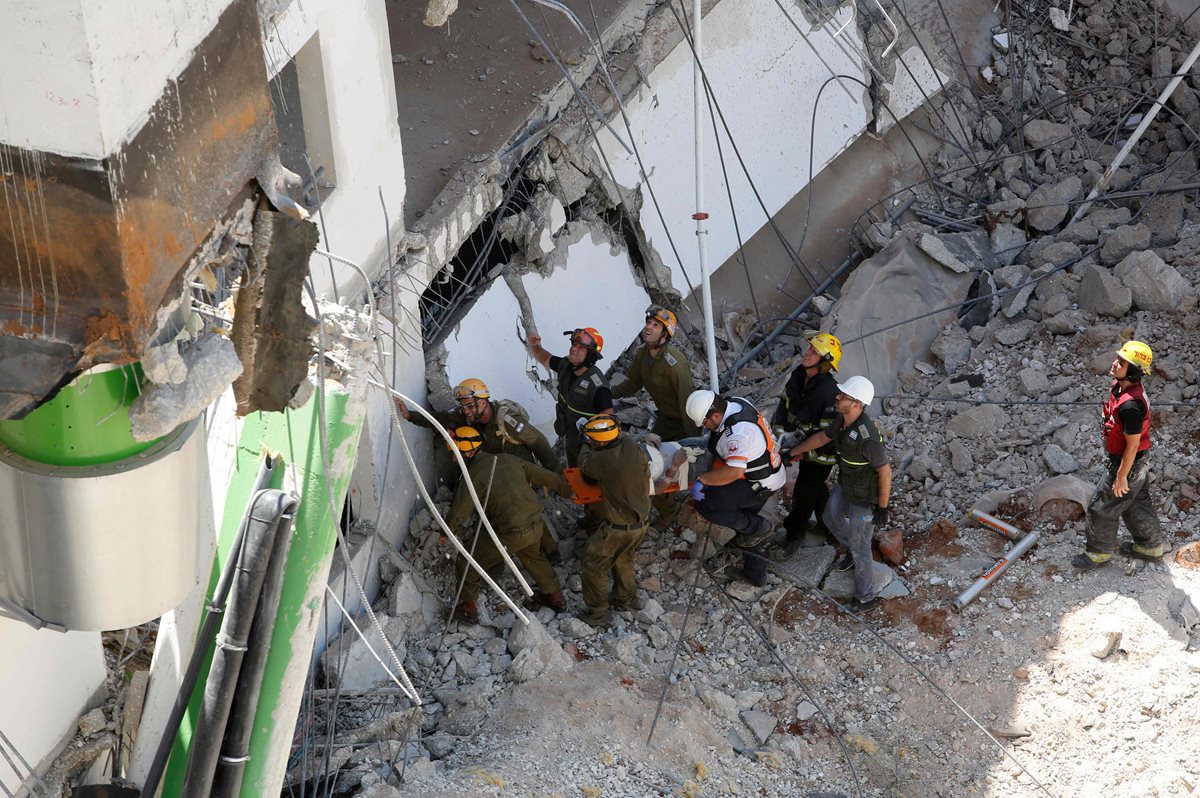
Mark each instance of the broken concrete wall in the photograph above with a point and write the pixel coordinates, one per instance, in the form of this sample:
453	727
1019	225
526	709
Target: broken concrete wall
595	287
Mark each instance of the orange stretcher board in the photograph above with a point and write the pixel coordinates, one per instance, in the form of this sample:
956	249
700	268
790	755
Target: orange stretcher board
590	494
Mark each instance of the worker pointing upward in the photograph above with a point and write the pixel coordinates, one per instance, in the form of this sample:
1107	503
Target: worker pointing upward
582	390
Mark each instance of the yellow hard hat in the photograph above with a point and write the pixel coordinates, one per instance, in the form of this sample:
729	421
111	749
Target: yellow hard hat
471	388
1137	354
602	428
828	347
664	317
466	439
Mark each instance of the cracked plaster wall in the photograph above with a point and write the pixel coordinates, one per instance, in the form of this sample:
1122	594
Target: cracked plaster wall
597	288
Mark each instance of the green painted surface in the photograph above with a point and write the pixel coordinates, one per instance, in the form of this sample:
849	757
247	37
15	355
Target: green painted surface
294	435
86	424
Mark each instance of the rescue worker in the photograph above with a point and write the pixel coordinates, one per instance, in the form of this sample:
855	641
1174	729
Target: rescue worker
504	424
617	464
504	484
582	391
859	500
1125	490
746	469
806	407
664	372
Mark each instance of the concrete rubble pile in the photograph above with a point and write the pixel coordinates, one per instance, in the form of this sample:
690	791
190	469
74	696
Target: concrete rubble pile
996	410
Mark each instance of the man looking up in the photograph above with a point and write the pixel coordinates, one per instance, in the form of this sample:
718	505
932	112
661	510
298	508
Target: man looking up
1125	490
582	391
664	372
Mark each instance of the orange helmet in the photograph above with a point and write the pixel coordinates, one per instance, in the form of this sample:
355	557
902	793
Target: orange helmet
664	317
466	439
589	339
602	428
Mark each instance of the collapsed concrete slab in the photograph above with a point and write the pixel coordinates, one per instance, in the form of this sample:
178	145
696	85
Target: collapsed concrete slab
897	284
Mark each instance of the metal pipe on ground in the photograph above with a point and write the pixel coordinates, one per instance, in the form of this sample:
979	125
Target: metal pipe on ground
216	608
235	750
996	525
263	521
1015	553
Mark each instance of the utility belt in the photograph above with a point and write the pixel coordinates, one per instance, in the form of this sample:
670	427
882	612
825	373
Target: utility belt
627	527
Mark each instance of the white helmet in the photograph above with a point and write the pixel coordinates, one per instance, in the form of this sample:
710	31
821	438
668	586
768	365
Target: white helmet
859	388
698	405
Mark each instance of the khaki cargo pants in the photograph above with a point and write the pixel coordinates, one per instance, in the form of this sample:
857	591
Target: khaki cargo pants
610	549
522	545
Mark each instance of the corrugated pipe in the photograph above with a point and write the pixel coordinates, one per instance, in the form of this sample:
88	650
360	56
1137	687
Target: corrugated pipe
265	518
216	609
235	750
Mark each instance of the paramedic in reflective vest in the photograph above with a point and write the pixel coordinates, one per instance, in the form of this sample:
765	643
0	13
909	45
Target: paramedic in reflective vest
504	425
1125	490
664	372
859	500
582	391
747	468
807	407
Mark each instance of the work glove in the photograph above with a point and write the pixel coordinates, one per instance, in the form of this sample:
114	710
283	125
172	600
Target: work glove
881	516
579	422
697	491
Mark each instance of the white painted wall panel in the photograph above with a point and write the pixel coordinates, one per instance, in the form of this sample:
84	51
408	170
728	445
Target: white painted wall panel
766	77
46	679
596	289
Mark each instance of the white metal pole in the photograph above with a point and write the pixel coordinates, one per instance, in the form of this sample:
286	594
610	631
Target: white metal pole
1167	91
700	216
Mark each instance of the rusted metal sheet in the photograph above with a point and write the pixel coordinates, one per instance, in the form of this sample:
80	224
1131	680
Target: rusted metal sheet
89	250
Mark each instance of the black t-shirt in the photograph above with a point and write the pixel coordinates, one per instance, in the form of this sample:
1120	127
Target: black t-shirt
1131	415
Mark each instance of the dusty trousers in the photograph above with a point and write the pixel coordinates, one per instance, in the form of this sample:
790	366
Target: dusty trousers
1105	510
809	497
522	545
854	527
609	550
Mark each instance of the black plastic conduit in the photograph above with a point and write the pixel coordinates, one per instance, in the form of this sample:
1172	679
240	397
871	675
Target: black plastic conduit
207	629
266	514
235	750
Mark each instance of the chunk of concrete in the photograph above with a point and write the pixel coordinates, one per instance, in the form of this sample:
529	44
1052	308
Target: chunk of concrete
1068	322
1122	241
1058	460
808	566
349	661
1049	203
1007	242
1041	133
1103	293
722	704
953	347
1153	283
535	653
210	365
412	602
979	422
897	284
840	584
760	724
1033	382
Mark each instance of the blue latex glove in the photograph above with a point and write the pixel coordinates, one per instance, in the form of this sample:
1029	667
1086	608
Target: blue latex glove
697	491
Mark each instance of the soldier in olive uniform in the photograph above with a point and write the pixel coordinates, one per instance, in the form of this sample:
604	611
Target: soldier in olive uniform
582	390
664	372
618	466
504	424
515	512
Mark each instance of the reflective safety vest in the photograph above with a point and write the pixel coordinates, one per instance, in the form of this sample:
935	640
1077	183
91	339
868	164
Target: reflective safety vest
859	481
1114	432
766	464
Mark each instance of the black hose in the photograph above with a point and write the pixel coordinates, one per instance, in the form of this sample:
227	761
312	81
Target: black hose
235	750
269	506
209	628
